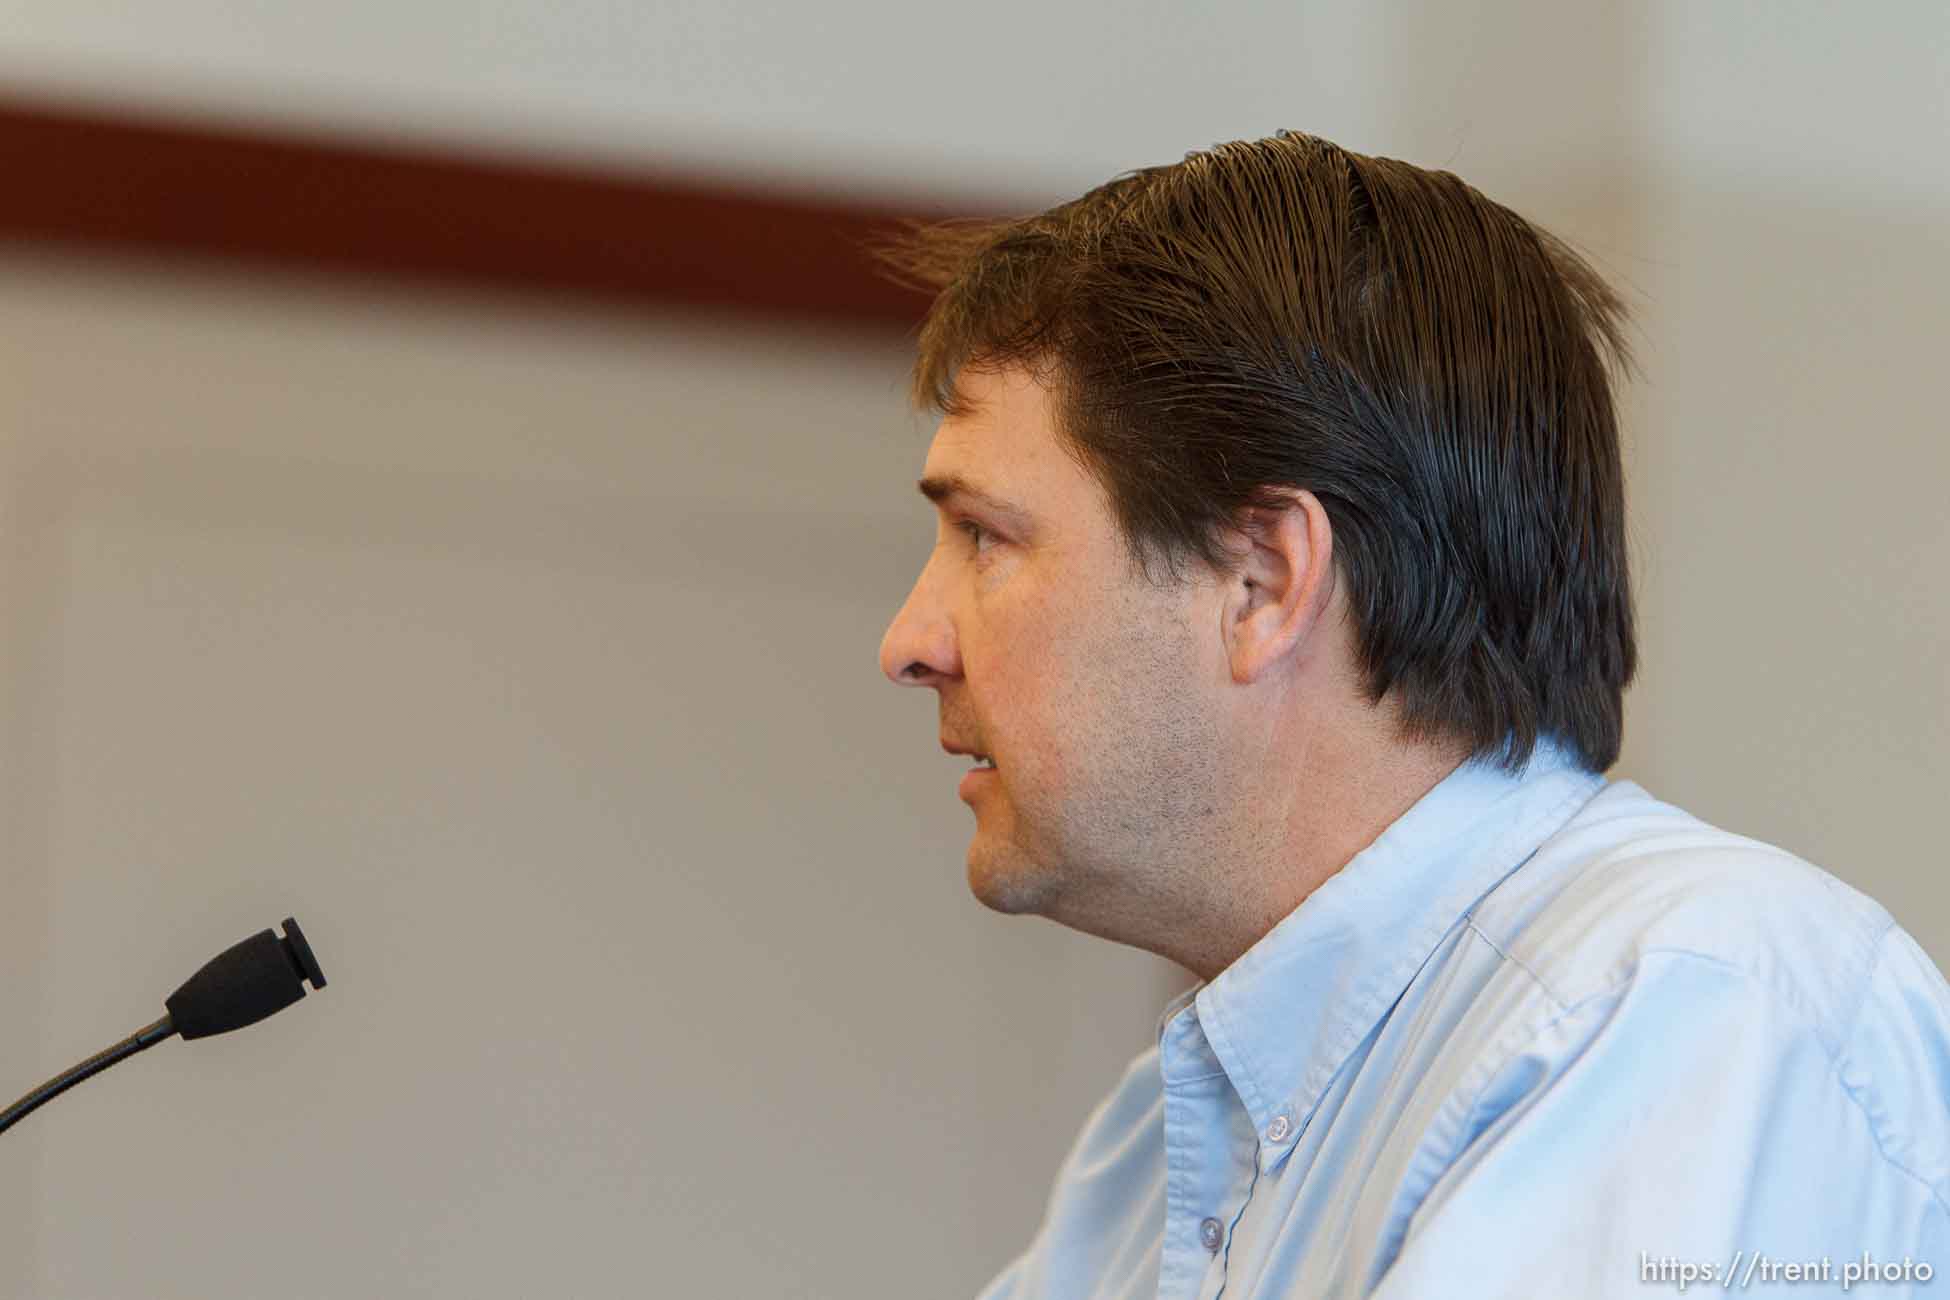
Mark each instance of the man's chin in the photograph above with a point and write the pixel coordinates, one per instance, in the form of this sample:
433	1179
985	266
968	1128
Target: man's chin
1012	886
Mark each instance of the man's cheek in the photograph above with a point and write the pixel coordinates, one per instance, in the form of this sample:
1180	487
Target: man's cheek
1068	739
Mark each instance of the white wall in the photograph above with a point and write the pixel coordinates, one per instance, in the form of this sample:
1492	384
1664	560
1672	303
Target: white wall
527	656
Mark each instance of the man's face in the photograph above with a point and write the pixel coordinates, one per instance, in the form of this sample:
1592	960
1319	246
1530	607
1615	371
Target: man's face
1094	691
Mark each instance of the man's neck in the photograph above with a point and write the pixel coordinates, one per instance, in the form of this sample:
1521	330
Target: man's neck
1336	798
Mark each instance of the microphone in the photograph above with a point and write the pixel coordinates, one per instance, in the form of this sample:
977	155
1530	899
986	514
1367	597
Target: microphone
239	986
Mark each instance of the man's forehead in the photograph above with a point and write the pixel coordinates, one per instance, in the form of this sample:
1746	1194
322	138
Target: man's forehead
984	393
997	417
1000	449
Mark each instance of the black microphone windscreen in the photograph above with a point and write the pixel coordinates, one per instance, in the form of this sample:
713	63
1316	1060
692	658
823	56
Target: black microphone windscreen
239	986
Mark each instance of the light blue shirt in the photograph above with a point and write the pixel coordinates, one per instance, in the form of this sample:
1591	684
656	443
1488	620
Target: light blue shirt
1546	1036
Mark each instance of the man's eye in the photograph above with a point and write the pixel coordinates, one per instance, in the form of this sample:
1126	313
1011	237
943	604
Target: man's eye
974	530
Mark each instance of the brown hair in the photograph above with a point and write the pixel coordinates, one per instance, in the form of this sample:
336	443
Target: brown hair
1284	313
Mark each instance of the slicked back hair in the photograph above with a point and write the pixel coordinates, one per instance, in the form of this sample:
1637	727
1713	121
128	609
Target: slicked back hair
1282	313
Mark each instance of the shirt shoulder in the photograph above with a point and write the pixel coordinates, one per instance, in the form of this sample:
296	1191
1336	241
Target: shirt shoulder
1630	876
1632	885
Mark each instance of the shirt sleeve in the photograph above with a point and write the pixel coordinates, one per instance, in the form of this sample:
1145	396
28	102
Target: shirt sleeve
1006	1283
1689	1125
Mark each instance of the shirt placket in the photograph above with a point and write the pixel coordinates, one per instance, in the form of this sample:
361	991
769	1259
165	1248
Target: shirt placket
1209	1166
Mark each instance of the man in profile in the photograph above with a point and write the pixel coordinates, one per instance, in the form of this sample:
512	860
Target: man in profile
1280	596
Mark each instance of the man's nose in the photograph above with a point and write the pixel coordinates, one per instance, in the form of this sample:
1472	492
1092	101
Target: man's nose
919	648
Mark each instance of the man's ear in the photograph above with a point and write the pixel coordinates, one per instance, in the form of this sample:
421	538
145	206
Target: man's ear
1278	598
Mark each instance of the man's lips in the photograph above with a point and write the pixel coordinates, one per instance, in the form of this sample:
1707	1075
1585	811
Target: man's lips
975	779
976	776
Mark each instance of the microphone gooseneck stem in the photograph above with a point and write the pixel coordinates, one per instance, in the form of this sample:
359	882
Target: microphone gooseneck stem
147	1036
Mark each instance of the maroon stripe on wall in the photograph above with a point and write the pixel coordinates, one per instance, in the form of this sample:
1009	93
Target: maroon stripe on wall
105	182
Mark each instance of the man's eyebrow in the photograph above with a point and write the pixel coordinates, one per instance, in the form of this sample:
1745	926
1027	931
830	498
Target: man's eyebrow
940	488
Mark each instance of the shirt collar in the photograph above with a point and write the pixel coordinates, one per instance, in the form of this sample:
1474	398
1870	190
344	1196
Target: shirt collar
1284	1016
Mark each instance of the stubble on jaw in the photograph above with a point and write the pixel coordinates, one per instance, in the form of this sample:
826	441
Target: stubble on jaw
1139	841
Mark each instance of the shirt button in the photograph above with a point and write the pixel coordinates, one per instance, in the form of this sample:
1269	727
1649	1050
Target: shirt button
1278	1129
1211	1232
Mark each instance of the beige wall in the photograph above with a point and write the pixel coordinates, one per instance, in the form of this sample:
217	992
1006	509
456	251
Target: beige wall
1792	192
528	657
530	660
